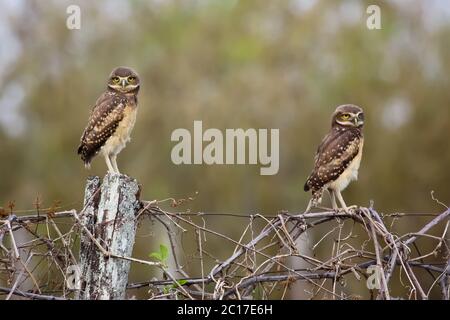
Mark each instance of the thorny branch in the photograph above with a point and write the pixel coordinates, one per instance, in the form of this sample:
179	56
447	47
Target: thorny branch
269	256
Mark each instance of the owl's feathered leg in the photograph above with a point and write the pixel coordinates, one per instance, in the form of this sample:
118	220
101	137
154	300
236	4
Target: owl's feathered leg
341	200
108	164
114	163
333	199
310	204
344	206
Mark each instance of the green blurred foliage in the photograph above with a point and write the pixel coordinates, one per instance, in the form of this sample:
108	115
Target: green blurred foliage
231	64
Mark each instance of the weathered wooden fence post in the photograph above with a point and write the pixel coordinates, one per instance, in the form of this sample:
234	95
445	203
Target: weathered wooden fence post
109	215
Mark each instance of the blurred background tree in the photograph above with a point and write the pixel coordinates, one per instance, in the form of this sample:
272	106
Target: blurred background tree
231	64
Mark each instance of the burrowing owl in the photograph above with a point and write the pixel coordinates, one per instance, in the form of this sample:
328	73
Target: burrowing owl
338	157
112	119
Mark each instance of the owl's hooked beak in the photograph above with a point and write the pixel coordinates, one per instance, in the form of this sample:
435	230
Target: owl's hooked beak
124	83
358	122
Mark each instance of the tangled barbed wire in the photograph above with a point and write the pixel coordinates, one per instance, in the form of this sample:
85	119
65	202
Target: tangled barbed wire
271	254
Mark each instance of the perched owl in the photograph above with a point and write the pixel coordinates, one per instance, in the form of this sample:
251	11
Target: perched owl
112	119
338	157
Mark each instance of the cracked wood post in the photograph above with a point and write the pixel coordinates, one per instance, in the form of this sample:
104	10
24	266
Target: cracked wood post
109	215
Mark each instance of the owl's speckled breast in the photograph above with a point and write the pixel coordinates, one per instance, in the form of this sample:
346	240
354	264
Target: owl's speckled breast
123	132
350	174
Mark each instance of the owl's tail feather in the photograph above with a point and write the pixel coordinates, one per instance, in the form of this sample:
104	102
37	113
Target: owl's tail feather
306	186
86	156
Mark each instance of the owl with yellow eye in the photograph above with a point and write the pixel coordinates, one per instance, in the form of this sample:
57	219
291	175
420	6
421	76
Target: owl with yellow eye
112	119
338	157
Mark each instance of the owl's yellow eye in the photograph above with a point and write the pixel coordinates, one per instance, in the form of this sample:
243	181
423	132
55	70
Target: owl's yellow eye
345	116
115	79
131	79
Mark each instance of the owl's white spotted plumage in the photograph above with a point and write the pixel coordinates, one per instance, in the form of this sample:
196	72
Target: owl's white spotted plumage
112	119
338	157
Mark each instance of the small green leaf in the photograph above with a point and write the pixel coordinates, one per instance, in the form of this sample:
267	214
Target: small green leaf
164	252
182	282
156	256
178	284
162	255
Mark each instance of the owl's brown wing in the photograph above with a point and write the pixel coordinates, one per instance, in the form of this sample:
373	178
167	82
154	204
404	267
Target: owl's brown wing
333	156
103	121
